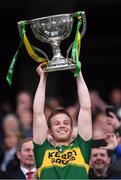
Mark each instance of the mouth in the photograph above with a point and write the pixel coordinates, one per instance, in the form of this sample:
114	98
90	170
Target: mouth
99	163
30	159
63	131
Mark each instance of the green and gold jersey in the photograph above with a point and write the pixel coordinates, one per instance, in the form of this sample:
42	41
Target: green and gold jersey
63	162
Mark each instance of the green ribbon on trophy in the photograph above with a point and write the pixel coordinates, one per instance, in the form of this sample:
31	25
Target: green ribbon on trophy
9	76
76	47
31	51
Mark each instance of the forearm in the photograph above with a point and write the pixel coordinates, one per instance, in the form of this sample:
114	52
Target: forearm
84	117
39	100
83	93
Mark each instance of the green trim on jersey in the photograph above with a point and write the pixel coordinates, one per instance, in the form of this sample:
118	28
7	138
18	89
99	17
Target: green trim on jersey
63	162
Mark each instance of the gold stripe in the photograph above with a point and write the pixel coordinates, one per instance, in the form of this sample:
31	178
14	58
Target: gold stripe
79	43
75	152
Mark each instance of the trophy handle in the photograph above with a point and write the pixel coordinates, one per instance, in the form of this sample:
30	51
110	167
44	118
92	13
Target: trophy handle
68	50
19	28
34	47
82	14
84	23
41	51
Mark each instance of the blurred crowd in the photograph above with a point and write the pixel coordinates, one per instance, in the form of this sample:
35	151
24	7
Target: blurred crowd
16	148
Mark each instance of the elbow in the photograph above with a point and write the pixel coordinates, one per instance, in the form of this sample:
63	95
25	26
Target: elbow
37	112
86	104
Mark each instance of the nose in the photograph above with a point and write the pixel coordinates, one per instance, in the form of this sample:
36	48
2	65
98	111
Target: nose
31	153
61	125
98	156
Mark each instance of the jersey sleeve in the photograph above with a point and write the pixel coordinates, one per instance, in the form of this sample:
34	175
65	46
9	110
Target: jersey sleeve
39	151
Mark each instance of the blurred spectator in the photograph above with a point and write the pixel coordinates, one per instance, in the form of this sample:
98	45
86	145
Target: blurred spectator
115	97
98	133
26	157
97	104
111	140
5	108
51	103
112	144
115	100
103	123
100	165
118	135
26	123
8	150
4	175
10	122
47	111
113	121
73	111
23	102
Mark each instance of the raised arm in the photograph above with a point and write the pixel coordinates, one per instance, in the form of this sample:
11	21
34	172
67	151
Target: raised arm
39	121
84	117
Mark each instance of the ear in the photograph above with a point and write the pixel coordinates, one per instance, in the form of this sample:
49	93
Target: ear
74	133
49	132
90	163
109	160
18	154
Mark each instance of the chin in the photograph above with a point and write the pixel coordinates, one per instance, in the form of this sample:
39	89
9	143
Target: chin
100	167
63	139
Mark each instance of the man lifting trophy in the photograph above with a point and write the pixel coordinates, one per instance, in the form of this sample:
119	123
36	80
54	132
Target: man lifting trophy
66	154
53	30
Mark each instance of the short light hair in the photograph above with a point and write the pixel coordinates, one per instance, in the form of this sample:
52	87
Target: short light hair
58	110
20	144
6	117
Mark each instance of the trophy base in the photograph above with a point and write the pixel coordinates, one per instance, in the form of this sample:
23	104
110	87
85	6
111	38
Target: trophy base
61	67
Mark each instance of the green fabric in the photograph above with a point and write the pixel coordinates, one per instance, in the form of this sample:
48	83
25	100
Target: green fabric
75	53
9	76
69	170
85	148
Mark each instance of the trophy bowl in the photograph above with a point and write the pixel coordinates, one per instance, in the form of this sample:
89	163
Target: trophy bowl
53	30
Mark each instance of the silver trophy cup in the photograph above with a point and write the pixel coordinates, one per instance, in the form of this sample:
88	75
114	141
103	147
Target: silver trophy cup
53	30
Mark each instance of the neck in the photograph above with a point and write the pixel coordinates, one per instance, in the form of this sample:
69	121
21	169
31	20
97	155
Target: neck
101	172
61	143
28	167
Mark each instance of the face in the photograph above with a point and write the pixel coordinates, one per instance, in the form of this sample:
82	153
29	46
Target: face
102	124
26	118
61	127
116	96
99	159
11	141
24	100
10	123
26	155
